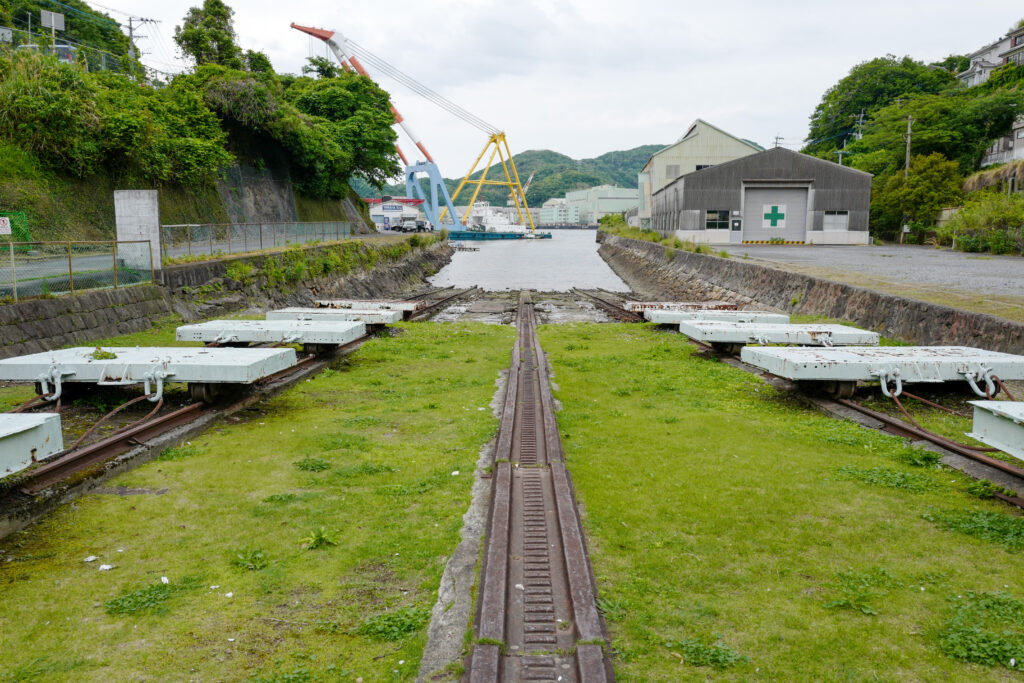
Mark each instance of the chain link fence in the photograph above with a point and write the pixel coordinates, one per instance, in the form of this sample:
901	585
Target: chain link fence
33	269
184	241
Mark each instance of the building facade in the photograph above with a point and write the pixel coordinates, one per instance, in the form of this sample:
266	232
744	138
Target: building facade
556	211
771	196
701	146
597	202
396	210
1007	50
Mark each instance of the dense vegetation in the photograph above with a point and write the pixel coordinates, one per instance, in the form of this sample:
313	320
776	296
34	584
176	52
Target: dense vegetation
557	174
63	121
866	114
82	24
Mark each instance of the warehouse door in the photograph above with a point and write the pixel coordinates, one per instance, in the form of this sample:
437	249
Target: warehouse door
775	212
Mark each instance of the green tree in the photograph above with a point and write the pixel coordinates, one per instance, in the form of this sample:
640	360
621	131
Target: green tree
959	125
933	184
868	87
322	68
207	35
258	62
954	64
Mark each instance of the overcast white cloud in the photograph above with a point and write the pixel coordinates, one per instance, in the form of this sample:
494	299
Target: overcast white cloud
584	77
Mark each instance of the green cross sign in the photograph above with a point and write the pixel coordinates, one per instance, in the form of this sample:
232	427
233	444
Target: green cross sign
775	216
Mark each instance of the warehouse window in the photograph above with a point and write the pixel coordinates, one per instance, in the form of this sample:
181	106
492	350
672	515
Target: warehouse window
671	171
716	220
702	166
837	221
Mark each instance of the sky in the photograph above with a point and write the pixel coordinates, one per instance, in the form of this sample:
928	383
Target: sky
585	77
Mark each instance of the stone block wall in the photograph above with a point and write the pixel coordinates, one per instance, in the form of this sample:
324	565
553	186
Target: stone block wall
645	267
76	320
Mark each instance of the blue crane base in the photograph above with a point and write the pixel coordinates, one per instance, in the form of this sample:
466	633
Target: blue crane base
437	191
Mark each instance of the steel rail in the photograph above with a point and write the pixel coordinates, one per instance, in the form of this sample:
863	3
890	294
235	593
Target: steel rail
610	308
432	308
537	616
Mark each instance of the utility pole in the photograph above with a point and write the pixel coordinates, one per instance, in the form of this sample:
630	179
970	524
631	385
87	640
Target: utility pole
132	21
778	139
841	152
906	166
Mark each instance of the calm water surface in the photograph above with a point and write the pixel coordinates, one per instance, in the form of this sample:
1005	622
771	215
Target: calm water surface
569	259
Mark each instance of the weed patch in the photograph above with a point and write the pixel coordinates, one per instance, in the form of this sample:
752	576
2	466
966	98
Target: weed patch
318	537
309	464
704	653
996	527
344	441
986	628
887	477
179	452
856	589
363	469
151	598
252	559
394	625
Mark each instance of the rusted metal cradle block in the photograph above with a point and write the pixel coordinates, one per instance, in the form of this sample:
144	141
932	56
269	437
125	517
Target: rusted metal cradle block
667	317
381	316
724	332
26	438
1000	424
891	366
641	306
332	332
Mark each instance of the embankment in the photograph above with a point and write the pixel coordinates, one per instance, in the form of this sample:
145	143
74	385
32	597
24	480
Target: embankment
197	290
656	271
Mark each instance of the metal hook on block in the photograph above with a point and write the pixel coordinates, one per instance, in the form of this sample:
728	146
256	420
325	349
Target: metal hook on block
985	374
157	376
884	376
56	375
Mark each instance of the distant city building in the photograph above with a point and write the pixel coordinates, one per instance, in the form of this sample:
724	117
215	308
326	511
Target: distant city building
701	146
556	211
596	202
776	195
386	215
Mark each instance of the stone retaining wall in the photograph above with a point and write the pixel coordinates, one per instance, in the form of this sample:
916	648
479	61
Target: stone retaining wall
41	324
645	267
193	291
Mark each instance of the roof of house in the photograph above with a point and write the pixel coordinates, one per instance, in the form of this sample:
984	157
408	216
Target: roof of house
805	158
693	126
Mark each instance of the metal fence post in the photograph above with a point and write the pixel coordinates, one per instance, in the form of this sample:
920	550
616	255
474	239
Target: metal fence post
188	236
115	263
152	268
71	271
230	251
261	237
245	238
14	275
209	231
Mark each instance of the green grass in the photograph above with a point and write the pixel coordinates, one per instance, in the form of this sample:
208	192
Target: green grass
403	412
737	535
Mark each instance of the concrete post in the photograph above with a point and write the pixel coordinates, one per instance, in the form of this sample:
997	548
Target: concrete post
137	213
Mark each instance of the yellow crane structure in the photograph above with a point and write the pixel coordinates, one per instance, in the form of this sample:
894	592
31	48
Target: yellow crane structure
349	53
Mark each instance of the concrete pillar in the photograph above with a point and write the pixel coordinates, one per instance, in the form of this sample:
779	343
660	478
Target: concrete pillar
137	213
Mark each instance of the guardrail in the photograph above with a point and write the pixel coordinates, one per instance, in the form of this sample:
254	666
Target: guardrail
31	269
212	239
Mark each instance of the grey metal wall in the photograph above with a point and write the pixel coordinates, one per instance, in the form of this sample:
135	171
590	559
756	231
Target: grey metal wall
833	188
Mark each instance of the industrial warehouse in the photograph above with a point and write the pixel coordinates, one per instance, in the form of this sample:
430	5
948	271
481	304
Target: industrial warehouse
775	196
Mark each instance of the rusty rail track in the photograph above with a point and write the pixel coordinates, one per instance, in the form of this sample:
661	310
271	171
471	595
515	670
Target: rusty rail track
433	307
65	465
612	309
537	616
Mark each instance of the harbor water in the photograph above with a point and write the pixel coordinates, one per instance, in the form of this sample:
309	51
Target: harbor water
569	259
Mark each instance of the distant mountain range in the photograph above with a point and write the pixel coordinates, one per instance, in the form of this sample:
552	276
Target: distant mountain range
556	174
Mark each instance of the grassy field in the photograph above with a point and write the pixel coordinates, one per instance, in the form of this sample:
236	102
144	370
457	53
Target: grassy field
736	535
303	540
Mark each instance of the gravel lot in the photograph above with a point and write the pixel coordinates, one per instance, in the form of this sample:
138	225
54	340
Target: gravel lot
921	267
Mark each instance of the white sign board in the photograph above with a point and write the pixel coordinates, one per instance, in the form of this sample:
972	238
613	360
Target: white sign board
5	225
52	20
6	35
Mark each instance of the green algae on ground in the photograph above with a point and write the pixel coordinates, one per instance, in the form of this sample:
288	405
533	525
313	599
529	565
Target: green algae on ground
715	516
234	511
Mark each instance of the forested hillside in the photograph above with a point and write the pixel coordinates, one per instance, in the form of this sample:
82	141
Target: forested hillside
556	174
866	115
65	129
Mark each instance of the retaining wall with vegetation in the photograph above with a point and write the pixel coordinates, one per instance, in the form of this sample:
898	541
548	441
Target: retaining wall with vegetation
295	277
656	271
